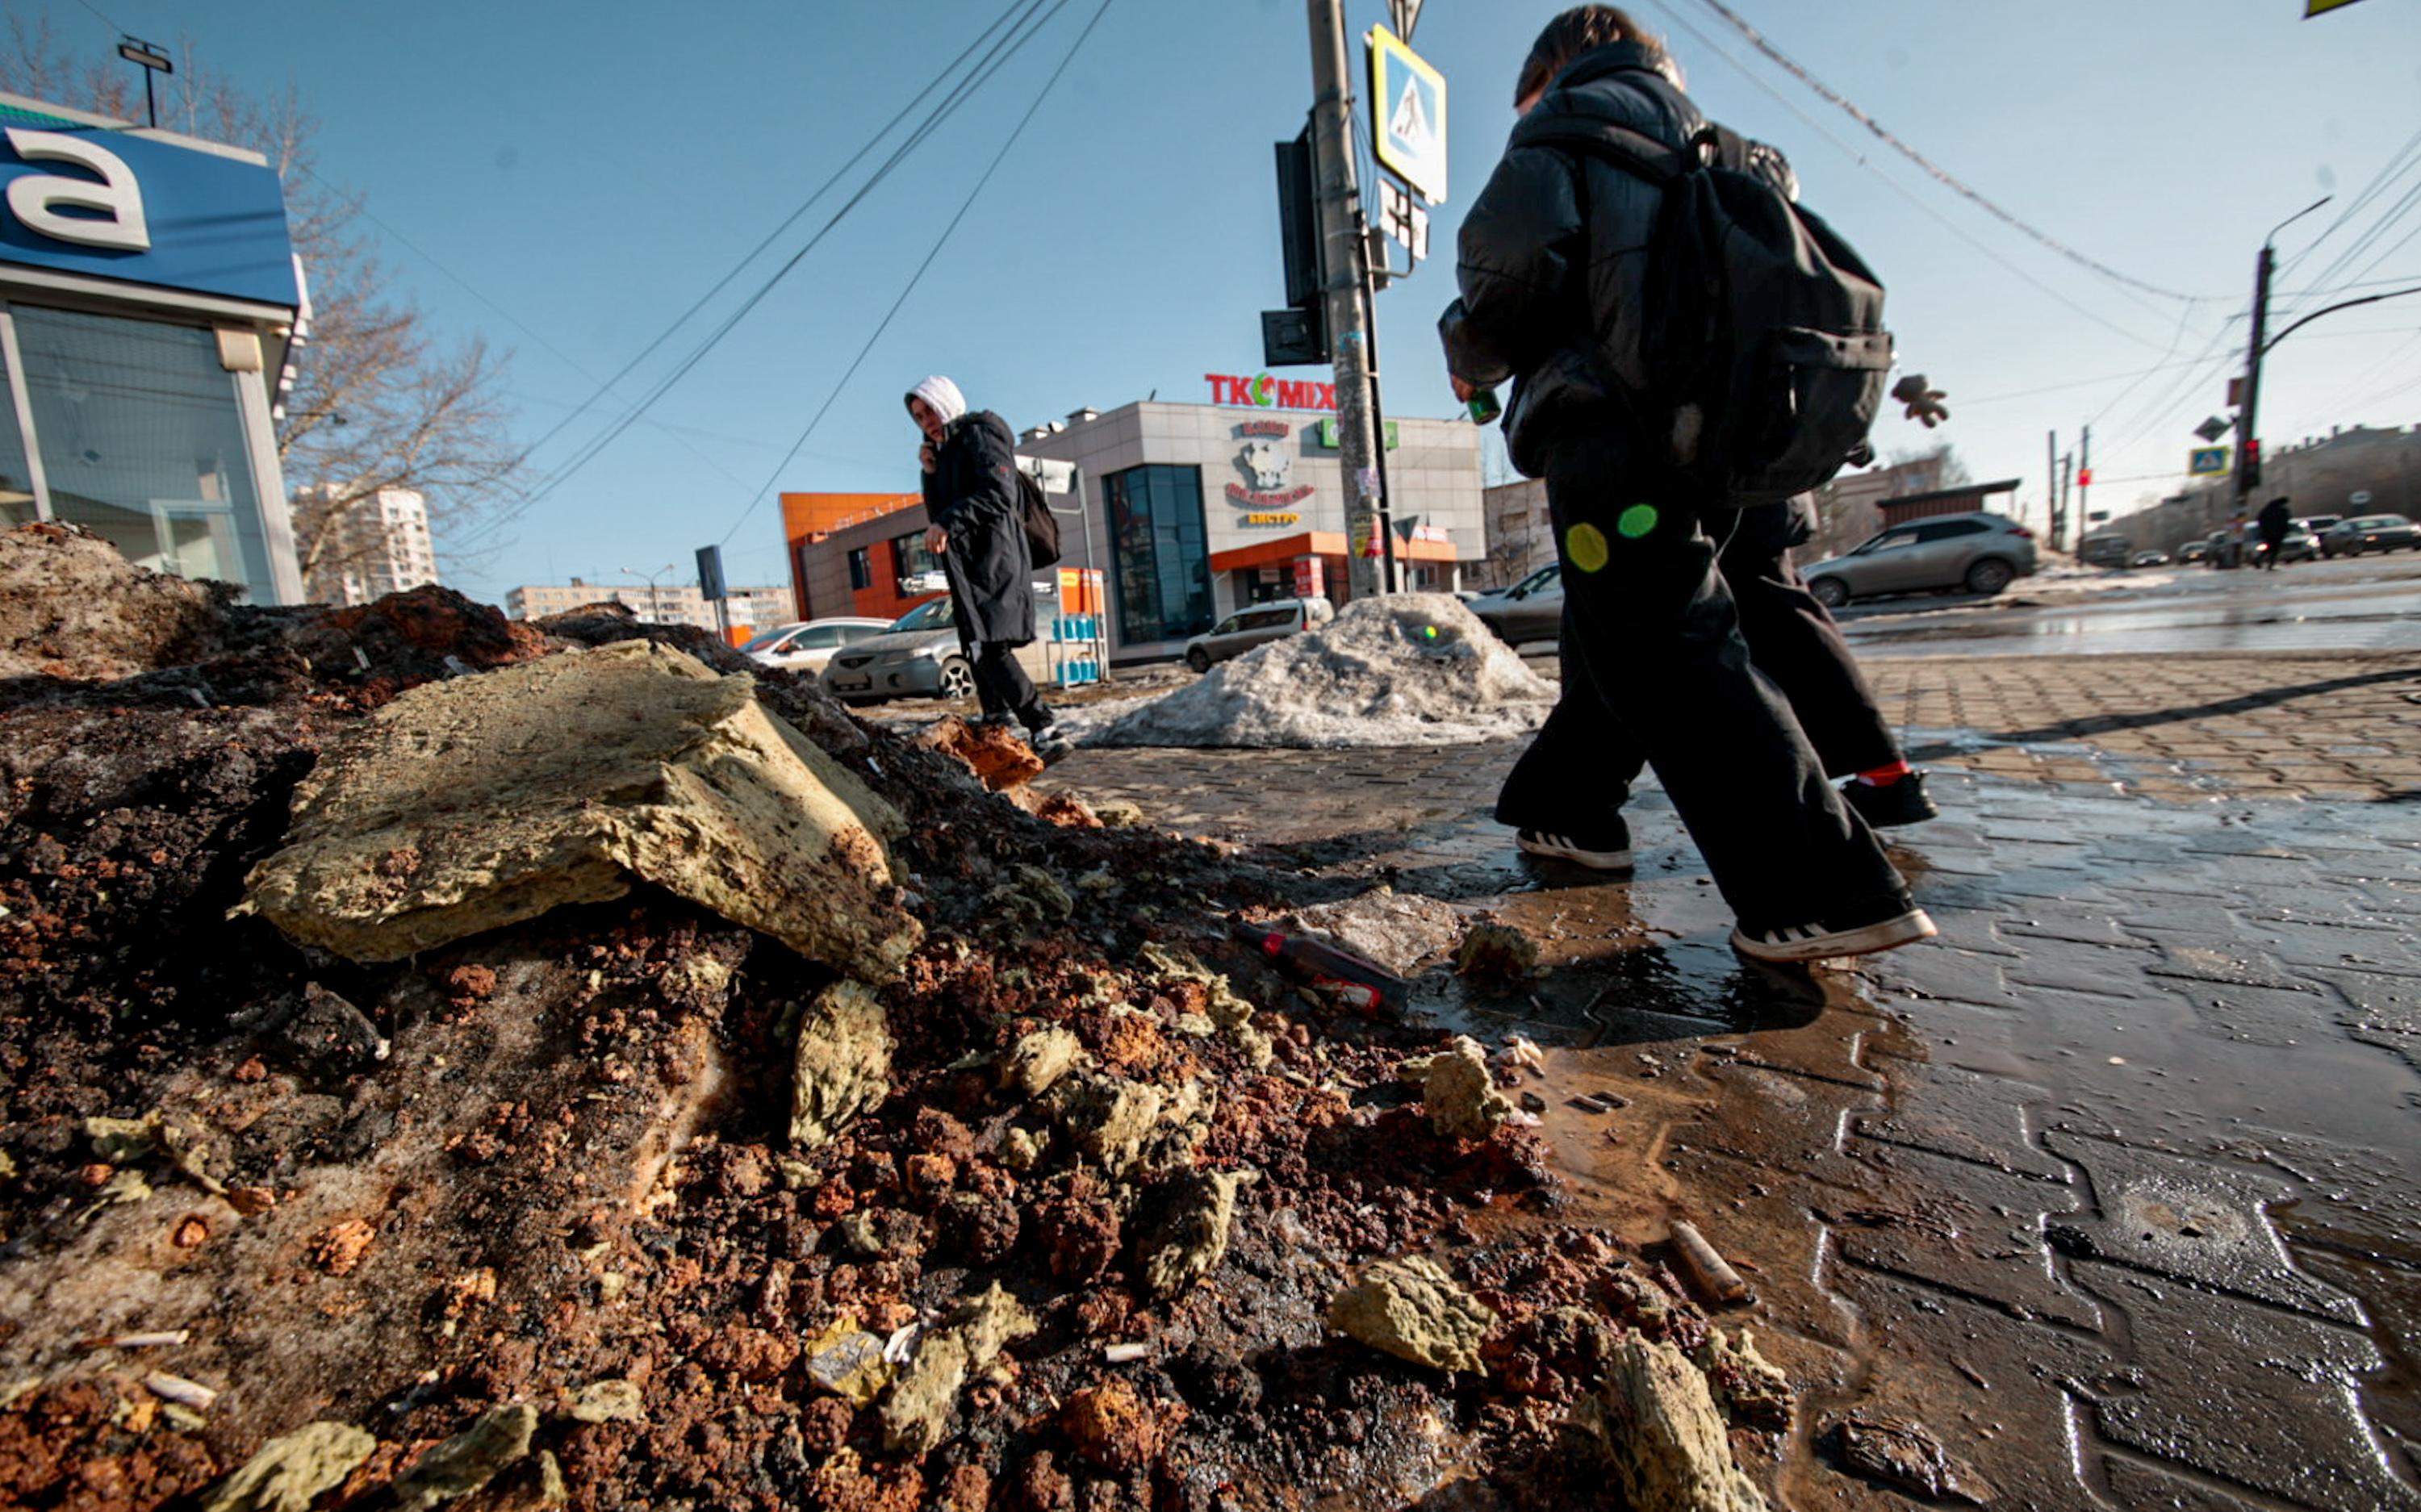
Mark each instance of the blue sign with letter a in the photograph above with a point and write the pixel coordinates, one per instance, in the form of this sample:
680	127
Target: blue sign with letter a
84	199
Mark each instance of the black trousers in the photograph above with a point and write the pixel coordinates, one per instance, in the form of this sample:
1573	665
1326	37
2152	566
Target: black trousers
1793	640
1656	670
1002	688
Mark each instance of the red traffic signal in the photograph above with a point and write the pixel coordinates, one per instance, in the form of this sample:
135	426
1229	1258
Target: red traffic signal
2085	477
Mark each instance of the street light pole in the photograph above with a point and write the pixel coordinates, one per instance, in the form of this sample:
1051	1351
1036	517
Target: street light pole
2248	443
655	613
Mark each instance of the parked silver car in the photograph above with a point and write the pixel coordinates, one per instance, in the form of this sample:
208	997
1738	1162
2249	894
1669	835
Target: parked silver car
806	648
1530	609
917	656
1979	551
1256	624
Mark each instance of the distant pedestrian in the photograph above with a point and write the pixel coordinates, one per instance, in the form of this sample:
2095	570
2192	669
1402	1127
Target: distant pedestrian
1554	282
977	531
2273	520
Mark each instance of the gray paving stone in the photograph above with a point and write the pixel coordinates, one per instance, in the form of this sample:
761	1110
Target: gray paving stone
1941	972
2067	922
1980	1119
2280	1416
1976	1233
2192	1222
1994	1390
2225	958
2136	1485
1789	1125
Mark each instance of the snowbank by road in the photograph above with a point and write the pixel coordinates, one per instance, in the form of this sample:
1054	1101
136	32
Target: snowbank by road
1415	669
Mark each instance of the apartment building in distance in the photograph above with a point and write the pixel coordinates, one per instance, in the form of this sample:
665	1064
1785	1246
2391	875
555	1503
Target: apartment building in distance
376	545
669	604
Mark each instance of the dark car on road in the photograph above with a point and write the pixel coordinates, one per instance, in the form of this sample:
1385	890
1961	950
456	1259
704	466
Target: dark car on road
1530	609
1979	551
2370	533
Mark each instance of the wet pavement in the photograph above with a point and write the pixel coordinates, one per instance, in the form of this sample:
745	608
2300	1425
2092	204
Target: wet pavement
2363	603
2106	1199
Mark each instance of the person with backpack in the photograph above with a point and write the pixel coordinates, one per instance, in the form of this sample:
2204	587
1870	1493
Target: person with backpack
974	505
1602	272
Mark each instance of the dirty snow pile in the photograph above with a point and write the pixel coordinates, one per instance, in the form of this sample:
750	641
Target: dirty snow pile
1414	669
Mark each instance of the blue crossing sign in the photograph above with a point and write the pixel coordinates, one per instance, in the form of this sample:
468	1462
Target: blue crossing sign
2203	461
1407	116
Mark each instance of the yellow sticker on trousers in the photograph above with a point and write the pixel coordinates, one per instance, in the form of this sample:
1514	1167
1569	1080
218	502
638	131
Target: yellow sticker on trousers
1585	545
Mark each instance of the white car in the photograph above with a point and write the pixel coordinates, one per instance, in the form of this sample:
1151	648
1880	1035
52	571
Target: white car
806	647
1256	624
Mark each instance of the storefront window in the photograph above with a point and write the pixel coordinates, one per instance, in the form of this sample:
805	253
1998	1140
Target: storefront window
909	552
143	444
1161	552
16	479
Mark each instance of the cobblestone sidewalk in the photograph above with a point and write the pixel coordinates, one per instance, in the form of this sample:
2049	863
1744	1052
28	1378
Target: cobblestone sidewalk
2112	1193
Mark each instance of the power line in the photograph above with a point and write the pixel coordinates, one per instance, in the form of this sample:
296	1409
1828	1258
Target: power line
518	324
985	69
597	446
789	221
939	243
1757	39
2393	168
1903	191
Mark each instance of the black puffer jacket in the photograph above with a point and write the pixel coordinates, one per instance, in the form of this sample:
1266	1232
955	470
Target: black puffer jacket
972	493
1552	257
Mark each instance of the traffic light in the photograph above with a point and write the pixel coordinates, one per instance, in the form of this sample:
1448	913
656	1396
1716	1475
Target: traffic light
2085	477
2251	474
1297	334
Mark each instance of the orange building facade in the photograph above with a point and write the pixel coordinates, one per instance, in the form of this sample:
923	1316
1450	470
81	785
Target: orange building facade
856	554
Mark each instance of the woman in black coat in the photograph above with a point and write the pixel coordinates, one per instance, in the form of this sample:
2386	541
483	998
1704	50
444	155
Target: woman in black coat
977	529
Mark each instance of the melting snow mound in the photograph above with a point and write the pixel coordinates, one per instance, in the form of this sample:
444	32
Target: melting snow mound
1414	669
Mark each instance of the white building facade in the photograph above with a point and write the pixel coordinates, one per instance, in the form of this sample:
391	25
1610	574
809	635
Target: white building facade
376	545
670	604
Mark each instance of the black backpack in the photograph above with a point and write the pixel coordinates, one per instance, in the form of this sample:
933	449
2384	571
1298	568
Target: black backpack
1041	525
1763	331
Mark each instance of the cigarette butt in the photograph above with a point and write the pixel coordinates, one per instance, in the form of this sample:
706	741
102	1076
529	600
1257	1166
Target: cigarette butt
1709	1272
139	1341
178	1390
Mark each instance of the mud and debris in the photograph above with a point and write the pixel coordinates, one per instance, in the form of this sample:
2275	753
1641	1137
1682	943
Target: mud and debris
1656	1426
1001	1176
1413	1310
1458	1088
292	1470
1905	1456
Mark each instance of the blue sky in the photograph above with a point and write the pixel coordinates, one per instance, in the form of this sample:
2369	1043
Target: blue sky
568	177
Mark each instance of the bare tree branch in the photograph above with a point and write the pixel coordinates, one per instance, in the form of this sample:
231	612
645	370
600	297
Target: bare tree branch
377	403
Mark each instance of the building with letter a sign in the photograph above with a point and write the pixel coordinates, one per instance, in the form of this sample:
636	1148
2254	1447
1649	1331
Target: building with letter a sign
148	296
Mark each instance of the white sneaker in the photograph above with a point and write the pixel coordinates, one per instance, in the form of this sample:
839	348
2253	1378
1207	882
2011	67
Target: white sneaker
1610	851
1885	927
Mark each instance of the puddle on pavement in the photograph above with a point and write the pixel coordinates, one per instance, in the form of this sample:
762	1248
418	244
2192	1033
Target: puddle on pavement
1641	997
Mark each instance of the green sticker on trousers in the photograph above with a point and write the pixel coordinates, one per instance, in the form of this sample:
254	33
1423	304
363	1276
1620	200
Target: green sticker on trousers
1636	521
1585	545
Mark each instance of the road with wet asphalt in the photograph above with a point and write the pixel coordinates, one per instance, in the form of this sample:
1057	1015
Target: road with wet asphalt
2358	604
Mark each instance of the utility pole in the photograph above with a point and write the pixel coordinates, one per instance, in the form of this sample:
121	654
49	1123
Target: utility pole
2248	438
2051	479
2248	445
1344	255
2059	511
2084	484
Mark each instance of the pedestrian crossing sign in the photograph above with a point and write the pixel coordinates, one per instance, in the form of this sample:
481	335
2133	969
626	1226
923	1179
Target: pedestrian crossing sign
2203	462
1407	116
